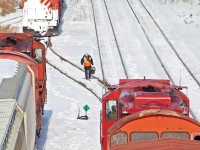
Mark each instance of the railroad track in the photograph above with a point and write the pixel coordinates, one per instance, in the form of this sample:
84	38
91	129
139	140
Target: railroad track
115	39
80	83
171	45
186	69
103	82
14	18
97	38
76	68
163	64
148	38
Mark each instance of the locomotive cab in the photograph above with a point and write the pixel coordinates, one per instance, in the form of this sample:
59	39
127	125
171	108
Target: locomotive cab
25	43
135	95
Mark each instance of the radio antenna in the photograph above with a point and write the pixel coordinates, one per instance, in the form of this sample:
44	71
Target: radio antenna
180	78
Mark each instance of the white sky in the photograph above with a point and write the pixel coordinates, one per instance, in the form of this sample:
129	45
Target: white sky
180	22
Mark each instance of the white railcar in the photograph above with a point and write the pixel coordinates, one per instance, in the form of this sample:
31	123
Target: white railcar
42	17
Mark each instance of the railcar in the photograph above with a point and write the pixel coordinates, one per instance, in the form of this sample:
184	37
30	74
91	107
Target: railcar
23	92
137	110
41	17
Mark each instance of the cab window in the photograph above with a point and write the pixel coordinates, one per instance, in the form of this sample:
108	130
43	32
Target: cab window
119	138
182	135
38	55
141	136
111	110
197	138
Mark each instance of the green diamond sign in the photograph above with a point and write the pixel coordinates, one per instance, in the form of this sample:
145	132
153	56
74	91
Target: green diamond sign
86	107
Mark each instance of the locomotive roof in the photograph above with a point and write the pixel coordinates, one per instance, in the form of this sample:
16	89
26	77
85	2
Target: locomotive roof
8	68
150	112
7	107
134	83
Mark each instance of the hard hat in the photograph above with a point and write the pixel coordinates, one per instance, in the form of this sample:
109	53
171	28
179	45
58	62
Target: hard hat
86	54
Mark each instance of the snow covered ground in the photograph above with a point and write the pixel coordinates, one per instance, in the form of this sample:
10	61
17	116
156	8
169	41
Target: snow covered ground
180	20
8	19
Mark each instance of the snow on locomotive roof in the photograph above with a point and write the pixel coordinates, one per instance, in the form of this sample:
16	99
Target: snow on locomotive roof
7	107
8	68
33	4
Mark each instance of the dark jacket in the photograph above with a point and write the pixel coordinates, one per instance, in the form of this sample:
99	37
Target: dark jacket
89	58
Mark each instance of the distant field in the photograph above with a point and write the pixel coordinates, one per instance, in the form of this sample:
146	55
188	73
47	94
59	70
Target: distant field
7	7
8	29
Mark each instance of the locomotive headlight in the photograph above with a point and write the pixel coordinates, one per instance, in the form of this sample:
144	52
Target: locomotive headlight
25	51
184	108
124	110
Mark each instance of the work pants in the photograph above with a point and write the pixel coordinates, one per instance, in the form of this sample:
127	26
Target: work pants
87	72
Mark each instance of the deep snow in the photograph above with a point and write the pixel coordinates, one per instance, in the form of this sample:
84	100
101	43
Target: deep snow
61	130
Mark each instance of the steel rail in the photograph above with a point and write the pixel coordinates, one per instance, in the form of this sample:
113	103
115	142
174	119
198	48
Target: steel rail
80	83
103	82
154	49
116	41
97	38
10	19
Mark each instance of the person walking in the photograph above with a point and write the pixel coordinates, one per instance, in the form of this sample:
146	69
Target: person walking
87	62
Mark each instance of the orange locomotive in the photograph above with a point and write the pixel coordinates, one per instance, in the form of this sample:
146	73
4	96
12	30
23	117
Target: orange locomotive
28	86
139	111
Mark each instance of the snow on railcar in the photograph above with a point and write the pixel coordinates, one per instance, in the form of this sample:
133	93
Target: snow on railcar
41	17
17	107
132	96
